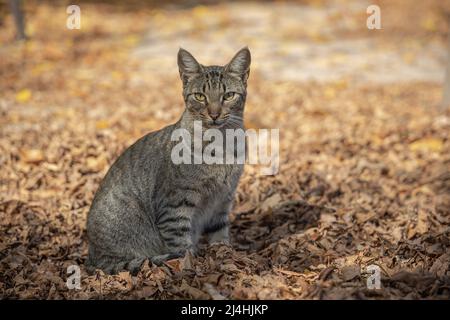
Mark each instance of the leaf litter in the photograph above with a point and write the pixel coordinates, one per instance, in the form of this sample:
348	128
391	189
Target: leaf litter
364	176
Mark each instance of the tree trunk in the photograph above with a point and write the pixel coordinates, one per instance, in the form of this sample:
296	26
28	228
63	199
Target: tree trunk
18	19
446	92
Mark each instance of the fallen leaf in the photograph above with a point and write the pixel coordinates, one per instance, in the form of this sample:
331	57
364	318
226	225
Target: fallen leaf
96	164
174	264
33	155
427	144
193	292
230	268
429	23
102	124
441	265
350	272
146	292
271	202
23	95
422	221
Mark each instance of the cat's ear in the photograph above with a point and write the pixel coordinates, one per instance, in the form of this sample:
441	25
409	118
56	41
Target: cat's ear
240	64
187	65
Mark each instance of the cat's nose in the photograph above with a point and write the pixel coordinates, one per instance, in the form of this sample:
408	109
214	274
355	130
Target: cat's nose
214	115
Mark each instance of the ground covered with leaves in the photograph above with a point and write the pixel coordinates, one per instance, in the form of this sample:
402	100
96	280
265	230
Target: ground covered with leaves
364	168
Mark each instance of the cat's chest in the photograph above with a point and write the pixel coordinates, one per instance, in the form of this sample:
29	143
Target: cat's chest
212	205
209	185
213	177
218	184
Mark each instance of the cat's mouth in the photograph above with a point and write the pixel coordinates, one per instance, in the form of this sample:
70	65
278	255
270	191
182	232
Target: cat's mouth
215	124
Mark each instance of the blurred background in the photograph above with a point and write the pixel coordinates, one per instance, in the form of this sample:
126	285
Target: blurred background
364	138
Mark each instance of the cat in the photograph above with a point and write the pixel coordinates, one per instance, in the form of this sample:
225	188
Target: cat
147	207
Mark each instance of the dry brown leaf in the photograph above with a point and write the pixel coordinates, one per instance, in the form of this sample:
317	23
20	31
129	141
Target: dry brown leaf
350	272
271	202
146	292
422	221
229	268
441	266
193	292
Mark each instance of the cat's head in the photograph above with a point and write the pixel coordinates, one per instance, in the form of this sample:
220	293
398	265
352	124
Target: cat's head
215	95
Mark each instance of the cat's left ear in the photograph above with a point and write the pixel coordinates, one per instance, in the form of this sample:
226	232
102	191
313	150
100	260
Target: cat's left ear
188	66
240	64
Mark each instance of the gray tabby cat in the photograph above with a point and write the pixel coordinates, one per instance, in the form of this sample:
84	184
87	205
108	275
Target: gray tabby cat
147	207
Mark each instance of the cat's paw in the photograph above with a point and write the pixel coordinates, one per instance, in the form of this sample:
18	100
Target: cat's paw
219	238
159	260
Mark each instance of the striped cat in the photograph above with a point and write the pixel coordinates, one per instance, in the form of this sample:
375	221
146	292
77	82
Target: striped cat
147	207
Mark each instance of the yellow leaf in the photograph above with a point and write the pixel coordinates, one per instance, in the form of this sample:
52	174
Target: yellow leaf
117	75
316	3
32	155
200	11
23	95
131	40
427	144
408	57
102	124
429	23
341	84
330	93
41	68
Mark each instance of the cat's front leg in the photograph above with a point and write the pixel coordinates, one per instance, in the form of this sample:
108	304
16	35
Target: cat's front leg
175	228
217	229
222	235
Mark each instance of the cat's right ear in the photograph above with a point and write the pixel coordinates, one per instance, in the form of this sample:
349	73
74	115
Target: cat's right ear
187	65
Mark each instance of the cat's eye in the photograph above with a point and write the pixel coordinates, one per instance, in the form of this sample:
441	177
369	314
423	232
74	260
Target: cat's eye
229	96
199	97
